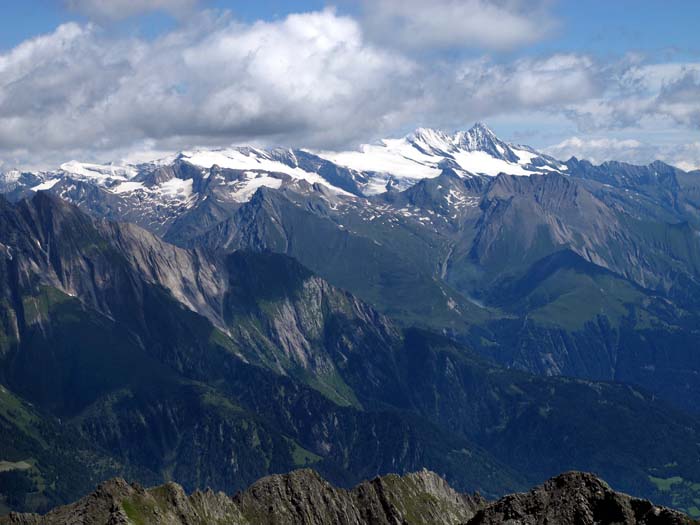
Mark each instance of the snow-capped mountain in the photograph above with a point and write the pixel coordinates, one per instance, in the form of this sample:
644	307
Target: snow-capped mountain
258	167
191	190
423	154
373	169
429	178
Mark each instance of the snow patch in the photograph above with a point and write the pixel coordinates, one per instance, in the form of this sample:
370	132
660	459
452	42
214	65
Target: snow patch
396	157
176	189
99	171
246	189
524	156
46	185
127	187
252	159
482	162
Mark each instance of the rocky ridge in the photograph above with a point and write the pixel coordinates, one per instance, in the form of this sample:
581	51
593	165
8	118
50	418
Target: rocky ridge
304	497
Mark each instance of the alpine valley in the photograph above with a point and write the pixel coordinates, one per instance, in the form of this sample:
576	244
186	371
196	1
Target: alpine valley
449	302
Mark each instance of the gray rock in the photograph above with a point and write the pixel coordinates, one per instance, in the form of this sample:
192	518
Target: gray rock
303	497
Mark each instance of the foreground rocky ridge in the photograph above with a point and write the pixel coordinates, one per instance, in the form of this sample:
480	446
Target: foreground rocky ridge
304	497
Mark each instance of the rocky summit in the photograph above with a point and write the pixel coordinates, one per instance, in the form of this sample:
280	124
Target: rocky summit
304	497
575	498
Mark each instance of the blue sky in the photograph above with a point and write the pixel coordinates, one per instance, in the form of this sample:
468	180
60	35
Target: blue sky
620	26
597	26
27	18
101	79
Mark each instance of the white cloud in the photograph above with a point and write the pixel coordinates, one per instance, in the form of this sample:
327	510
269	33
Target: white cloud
637	94
531	83
680	99
457	94
119	9
309	79
685	156
490	24
599	149
313	79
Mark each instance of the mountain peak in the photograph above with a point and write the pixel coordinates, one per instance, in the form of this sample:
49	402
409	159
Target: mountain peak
481	128
477	138
430	139
478	134
480	138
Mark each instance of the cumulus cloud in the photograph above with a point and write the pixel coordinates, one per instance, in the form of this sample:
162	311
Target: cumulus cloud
312	80
457	94
120	9
308	79
636	94
490	24
530	83
680	99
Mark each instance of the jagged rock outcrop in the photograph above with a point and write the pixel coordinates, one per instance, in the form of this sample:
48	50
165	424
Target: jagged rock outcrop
117	502
303	497
299	497
575	498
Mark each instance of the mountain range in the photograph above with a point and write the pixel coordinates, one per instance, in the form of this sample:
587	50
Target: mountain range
445	301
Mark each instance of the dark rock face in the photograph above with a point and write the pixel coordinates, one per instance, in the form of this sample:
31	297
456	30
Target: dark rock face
303	497
575	498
